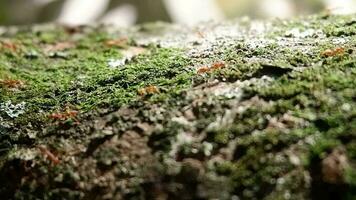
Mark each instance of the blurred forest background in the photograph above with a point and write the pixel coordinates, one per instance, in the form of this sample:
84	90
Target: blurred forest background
129	12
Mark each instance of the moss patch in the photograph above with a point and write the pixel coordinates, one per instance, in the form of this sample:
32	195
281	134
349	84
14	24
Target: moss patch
266	110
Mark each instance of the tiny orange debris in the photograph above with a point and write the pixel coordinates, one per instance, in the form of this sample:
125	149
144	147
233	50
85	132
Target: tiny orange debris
333	52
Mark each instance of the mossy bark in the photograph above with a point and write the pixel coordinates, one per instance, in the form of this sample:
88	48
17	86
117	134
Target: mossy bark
234	110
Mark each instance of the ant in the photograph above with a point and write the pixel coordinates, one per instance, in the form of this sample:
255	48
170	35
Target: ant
212	67
148	90
12	83
333	52
9	45
54	159
63	116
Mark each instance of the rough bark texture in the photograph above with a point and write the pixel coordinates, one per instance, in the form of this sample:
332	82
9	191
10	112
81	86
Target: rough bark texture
235	110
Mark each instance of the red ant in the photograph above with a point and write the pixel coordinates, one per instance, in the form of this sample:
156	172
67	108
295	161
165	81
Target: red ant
11	83
54	159
148	90
214	66
333	52
68	114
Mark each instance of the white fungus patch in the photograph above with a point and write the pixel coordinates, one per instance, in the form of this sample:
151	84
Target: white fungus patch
128	55
222	121
259	43
346	107
339	41
206	39
230	90
181	139
297	33
23	154
115	63
294	159
181	120
13	110
207	148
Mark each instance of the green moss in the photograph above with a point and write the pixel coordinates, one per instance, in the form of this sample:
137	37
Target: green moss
262	124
